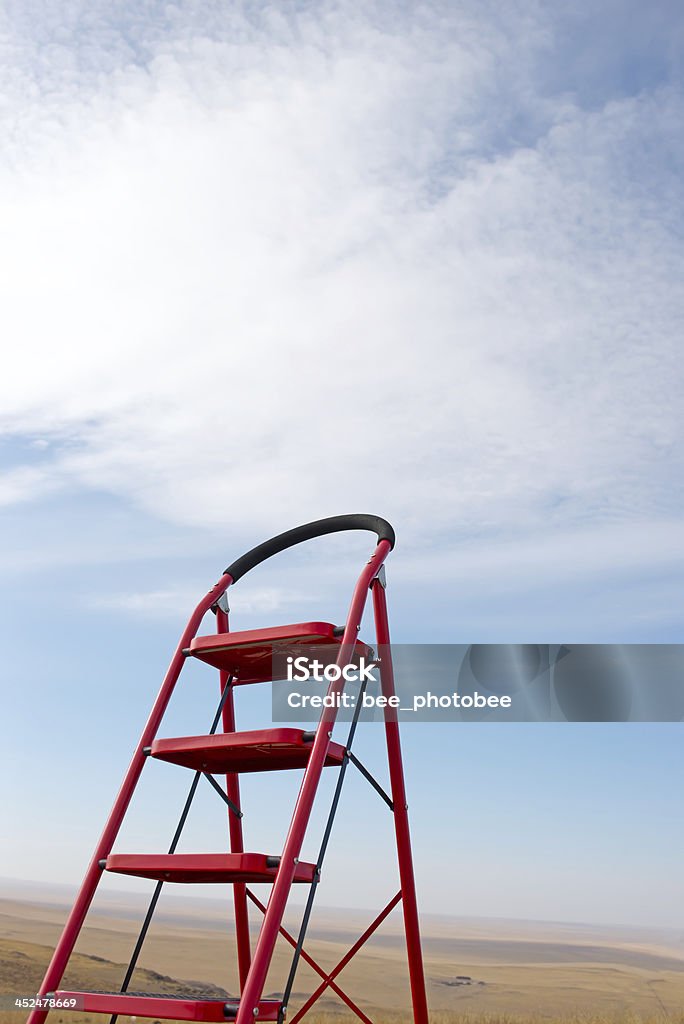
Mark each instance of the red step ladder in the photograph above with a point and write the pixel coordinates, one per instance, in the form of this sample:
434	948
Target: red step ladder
242	658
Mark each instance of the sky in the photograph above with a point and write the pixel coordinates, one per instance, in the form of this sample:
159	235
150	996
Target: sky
265	263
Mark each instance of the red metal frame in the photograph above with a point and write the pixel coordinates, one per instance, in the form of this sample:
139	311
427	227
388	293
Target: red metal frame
401	821
253	965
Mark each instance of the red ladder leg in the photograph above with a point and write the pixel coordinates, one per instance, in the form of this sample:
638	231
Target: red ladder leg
235	827
74	923
401	822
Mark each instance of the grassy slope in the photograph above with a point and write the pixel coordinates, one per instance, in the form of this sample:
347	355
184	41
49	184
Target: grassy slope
625	985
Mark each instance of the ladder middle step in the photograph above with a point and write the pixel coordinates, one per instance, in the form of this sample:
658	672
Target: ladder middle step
204	867
262	750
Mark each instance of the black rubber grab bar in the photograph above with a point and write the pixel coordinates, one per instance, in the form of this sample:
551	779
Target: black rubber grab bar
319	528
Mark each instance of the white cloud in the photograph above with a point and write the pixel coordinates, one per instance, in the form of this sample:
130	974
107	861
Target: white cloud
25	483
548	559
258	273
178	602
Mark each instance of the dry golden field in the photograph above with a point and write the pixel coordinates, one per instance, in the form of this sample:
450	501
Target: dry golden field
518	973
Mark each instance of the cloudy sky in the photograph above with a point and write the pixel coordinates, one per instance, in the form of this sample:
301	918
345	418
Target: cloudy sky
265	263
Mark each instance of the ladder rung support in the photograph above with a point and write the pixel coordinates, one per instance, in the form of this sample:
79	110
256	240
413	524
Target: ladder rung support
224	796
370	778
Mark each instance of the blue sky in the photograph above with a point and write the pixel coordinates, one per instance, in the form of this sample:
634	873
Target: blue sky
262	264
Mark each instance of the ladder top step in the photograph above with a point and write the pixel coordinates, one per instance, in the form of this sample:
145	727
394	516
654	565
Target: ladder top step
163	1006
248	654
203	867
261	750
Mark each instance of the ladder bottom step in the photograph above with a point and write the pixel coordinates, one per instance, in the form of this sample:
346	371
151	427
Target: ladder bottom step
204	867
163	1007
